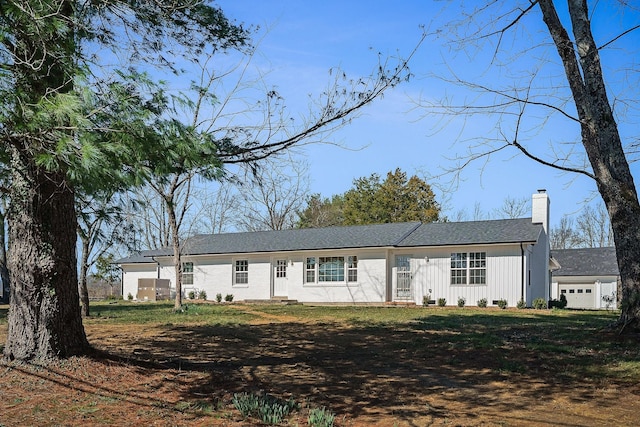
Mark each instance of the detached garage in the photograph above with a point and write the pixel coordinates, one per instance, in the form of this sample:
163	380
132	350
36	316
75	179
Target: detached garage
587	277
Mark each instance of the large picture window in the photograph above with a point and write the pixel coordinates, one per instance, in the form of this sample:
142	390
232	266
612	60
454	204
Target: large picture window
334	269
241	273
469	268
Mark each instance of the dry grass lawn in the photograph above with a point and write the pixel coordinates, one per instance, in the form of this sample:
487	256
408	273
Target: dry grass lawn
373	366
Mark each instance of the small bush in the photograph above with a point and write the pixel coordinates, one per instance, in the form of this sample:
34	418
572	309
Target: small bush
563	300
539	303
321	417
554	303
202	295
502	303
191	295
218	297
482	303
129	296
269	409
426	300
228	297
461	301
112	297
521	304
442	302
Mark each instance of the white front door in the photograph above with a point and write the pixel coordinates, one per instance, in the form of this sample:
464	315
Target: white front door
280	278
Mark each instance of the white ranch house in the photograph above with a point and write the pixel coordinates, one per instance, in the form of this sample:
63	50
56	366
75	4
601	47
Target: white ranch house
371	264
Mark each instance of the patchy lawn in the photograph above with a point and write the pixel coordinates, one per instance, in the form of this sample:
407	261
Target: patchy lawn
370	366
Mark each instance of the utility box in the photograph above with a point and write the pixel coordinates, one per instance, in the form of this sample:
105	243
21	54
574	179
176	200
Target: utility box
153	290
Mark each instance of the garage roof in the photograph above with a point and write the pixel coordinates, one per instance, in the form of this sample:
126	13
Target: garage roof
586	262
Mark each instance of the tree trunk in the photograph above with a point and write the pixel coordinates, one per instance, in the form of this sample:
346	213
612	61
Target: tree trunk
44	319
4	271
83	289
603	146
177	261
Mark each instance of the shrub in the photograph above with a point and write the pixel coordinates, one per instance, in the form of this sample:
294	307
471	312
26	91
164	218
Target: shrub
202	295
442	302
321	417
112	297
502	303
269	409
461	301
563	300
129	296
191	295
539	303
482	303
228	298
521	304
219	297
426	300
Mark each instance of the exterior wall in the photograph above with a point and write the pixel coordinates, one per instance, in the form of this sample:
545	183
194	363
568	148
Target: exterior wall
431	270
371	286
605	286
539	280
132	272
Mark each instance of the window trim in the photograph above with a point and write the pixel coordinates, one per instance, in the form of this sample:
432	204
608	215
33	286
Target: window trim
348	270
187	271
468	268
245	272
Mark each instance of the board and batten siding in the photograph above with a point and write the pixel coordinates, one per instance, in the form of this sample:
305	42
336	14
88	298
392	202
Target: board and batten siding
431	270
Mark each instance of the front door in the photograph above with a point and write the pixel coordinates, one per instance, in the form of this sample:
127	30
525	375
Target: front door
280	278
403	278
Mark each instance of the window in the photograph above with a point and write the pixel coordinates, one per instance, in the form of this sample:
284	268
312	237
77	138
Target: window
469	268
331	269
241	276
352	269
310	270
281	268
187	273
458	268
477	268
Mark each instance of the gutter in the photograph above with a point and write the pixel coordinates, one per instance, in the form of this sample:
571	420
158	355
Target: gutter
523	272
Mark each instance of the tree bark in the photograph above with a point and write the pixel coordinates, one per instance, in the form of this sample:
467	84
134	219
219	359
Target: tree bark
83	288
603	146
44	319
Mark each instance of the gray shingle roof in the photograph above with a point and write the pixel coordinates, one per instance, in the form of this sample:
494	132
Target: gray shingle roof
364	236
136	258
586	262
474	232
406	234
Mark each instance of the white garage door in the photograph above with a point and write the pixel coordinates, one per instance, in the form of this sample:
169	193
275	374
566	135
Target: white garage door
579	295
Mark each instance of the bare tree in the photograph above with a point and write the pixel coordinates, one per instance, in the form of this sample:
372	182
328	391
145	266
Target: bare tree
564	236
594	228
513	207
534	96
273	195
218	206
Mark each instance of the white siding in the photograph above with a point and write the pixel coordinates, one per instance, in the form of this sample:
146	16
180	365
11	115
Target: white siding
433	276
132	272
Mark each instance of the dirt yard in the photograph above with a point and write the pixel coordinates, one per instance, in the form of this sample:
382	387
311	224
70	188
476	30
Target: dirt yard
413	374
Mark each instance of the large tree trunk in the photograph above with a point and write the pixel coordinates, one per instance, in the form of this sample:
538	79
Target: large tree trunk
603	146
4	270
83	288
44	318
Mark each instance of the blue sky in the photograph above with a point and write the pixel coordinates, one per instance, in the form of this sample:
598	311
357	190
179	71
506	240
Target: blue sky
301	40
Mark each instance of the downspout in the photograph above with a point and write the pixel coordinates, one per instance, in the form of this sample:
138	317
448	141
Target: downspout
158	268
523	272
